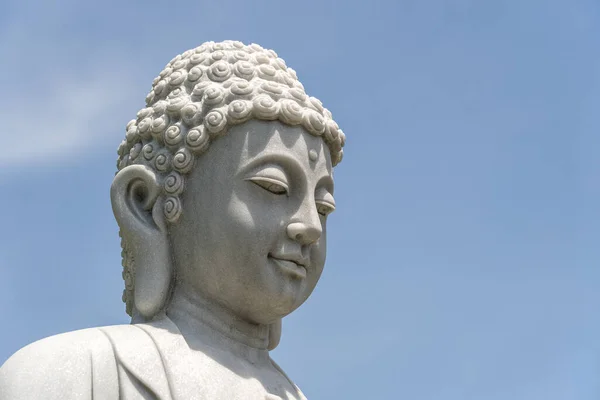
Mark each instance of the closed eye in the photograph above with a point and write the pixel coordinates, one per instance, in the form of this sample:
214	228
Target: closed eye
324	208
272	185
325	202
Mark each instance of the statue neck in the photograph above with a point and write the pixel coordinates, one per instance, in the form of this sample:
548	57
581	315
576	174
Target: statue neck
209	323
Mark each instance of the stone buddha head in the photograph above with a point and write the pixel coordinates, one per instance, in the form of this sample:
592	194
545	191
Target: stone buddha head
224	185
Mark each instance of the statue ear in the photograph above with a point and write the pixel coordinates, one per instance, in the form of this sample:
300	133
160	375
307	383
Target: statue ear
137	205
274	334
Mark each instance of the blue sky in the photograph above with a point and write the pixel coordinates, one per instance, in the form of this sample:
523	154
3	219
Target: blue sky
463	256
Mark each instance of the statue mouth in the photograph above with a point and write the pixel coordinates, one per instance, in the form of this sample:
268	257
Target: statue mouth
294	268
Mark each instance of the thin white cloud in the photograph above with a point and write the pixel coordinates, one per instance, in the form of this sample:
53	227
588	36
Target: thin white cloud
67	117
60	97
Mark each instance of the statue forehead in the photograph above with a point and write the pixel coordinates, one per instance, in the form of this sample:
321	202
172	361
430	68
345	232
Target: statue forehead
257	138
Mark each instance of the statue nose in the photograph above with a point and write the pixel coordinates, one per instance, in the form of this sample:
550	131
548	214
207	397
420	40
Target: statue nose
304	233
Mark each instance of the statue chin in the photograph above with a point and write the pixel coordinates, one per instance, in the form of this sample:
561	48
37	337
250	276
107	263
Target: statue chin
222	195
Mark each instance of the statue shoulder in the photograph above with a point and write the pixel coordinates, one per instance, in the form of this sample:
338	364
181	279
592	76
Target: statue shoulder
282	372
80	363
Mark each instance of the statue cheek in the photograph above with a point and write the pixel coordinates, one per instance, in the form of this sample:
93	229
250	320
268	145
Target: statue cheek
318	255
241	214
262	218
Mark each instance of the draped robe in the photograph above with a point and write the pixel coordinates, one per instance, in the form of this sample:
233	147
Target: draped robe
125	362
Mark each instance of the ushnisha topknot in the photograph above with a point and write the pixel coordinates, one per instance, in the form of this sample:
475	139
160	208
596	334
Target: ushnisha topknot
196	98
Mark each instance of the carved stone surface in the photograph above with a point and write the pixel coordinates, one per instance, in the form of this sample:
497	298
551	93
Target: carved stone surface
222	194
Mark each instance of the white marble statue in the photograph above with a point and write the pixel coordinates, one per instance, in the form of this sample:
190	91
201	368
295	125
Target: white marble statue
222	194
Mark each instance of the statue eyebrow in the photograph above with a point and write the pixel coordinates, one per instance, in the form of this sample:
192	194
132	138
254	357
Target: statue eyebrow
284	161
289	165
326	182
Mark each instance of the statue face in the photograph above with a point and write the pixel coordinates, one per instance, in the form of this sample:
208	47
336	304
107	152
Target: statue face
252	233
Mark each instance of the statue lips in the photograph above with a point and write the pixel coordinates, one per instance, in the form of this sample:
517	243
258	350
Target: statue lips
293	265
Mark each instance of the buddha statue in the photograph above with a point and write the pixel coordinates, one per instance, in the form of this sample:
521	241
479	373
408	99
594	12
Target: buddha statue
222	194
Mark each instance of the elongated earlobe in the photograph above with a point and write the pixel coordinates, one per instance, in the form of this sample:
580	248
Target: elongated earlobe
137	205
